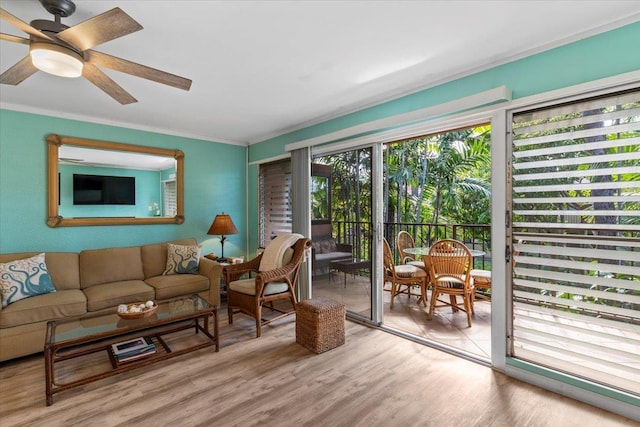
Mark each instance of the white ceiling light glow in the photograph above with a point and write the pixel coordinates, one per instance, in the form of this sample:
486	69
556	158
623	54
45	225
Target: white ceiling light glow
387	69
57	60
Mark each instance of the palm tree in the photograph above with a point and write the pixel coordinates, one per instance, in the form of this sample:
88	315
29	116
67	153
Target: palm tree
451	172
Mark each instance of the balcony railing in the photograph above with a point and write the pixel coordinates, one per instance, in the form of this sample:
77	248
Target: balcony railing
358	234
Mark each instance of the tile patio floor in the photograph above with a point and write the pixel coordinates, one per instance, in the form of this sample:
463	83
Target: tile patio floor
407	316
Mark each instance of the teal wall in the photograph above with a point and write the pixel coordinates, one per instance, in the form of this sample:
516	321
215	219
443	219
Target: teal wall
593	58
214	181
216	174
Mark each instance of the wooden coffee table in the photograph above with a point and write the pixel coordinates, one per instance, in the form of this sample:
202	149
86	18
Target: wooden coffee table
74	338
350	265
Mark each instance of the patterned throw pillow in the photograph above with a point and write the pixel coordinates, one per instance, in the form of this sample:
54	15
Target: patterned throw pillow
182	259
325	246
24	278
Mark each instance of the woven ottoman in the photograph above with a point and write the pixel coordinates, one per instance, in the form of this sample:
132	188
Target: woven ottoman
320	324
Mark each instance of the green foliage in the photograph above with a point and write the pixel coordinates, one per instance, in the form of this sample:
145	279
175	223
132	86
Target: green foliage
431	179
441	178
319	198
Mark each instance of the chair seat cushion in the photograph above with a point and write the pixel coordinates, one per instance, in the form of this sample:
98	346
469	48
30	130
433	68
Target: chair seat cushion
248	287
450	282
481	277
418	264
408	270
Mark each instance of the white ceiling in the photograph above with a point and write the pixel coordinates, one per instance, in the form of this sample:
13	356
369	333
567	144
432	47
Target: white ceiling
264	68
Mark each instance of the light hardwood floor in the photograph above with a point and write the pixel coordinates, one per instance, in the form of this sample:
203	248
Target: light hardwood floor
375	379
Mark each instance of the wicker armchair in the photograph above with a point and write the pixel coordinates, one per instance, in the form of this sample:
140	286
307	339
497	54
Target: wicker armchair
406	275
250	295
451	264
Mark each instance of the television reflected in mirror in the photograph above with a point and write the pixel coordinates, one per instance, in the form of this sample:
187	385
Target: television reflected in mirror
103	190
95	182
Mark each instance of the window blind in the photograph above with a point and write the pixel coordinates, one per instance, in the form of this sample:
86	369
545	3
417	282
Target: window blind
170	196
275	200
575	180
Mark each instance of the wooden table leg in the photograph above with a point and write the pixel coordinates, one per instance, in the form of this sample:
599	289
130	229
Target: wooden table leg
215	328
48	369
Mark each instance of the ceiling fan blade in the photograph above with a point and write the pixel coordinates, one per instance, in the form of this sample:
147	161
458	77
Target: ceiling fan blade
16	39
20	71
118	64
100	29
104	82
21	25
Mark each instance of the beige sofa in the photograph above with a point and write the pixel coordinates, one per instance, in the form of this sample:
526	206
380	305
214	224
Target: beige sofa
98	280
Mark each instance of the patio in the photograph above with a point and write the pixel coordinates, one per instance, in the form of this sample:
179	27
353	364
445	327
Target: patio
407	316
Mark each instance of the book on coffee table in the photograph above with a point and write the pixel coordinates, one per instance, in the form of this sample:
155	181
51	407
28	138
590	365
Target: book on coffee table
136	348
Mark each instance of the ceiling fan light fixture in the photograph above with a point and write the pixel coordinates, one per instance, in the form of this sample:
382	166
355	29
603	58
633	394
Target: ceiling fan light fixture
56	60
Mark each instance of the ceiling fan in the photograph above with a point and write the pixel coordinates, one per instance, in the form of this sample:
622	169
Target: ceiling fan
67	51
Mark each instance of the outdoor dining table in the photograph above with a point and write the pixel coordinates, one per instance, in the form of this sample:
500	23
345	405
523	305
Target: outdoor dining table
424	251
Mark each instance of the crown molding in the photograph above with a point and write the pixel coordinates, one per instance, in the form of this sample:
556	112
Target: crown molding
488	97
126	125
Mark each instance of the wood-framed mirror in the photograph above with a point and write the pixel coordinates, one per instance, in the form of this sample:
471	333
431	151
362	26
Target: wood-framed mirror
93	182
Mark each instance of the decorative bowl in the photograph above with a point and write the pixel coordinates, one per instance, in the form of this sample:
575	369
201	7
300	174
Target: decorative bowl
132	314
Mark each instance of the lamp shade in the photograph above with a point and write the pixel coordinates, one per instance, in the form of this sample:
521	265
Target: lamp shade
222	225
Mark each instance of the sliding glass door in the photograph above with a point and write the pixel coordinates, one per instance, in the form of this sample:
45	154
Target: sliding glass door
343	231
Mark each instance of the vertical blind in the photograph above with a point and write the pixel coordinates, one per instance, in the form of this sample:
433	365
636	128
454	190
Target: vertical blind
275	200
575	201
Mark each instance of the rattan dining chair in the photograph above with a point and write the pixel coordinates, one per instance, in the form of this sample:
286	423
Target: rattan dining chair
481	280
451	264
404	240
403	275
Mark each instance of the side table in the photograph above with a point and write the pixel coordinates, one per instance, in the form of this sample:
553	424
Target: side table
350	266
223	282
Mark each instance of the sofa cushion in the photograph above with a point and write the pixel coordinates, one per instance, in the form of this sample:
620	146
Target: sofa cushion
178	285
99	266
24	278
115	293
154	256
63	267
56	305
182	259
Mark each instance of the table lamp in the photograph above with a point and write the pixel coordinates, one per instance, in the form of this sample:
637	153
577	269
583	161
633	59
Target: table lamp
222	225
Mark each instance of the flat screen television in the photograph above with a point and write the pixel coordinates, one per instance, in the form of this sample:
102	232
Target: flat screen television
103	190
